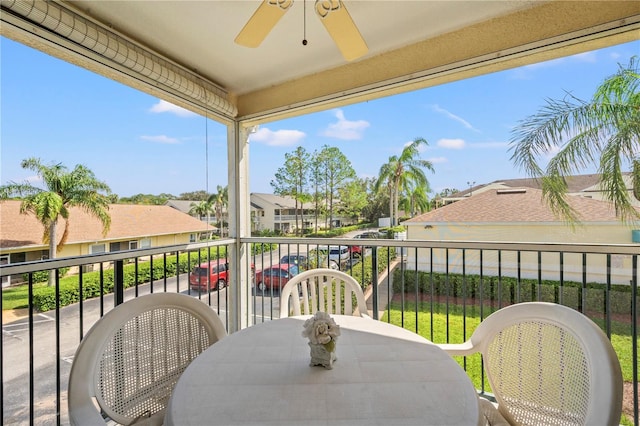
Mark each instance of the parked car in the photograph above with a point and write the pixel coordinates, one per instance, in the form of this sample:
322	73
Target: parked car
334	257
355	251
217	272
276	276
218	275
368	234
296	259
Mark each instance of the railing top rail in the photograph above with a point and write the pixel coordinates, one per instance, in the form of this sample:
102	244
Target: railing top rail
591	248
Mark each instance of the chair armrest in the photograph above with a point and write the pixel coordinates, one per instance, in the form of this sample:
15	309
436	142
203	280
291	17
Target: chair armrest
491	414
458	349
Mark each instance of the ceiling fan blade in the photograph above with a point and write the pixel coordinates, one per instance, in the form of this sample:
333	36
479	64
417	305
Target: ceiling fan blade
262	22
341	28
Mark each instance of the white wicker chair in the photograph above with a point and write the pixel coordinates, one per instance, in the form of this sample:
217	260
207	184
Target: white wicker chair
322	289
547	364
126	366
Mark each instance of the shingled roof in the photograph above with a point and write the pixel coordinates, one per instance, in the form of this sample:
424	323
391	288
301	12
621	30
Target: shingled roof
514	205
128	221
575	184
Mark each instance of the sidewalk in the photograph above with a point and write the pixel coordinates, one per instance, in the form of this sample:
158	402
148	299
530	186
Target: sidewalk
383	290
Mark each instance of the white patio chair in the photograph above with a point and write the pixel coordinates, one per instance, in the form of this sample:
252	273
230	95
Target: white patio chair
322	289
547	364
126	366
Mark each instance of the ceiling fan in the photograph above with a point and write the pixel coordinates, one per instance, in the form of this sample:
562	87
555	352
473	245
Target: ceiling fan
332	13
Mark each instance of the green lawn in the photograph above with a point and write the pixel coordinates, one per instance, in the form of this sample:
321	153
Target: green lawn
17	297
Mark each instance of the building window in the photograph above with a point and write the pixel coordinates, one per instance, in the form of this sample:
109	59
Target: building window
145	243
192	238
97	248
133	245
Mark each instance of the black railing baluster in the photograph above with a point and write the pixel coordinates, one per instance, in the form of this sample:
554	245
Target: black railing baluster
447	284
101	290
118	282
374	280
539	291
634	338
607	299
80	303
432	289
561	286
583	288
58	352
31	356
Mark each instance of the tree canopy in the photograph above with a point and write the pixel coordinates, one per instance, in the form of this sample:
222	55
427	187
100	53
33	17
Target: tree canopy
603	132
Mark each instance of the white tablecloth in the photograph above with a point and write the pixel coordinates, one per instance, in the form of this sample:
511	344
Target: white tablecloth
384	375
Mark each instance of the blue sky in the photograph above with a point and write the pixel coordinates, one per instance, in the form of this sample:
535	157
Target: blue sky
137	143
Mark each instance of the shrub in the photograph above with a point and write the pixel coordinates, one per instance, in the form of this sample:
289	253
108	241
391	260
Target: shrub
509	290
43	276
44	298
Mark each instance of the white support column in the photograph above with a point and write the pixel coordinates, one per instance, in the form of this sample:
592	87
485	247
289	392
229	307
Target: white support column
239	226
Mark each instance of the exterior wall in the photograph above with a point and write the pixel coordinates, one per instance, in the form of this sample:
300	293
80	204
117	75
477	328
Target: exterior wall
81	249
550	265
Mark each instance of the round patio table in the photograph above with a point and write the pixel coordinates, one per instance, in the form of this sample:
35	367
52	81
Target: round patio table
384	374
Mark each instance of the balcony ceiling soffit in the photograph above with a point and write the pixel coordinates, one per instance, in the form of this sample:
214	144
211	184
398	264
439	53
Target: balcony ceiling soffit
412	45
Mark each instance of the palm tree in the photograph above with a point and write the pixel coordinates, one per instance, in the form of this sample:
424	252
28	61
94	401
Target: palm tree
402	172
200	209
415	200
64	189
604	132
220	201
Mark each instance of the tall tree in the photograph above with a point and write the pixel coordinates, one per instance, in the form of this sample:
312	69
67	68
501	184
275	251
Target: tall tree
415	200
62	190
377	201
353	198
220	203
200	208
316	181
403	171
604	131
337	173
200	195
292	179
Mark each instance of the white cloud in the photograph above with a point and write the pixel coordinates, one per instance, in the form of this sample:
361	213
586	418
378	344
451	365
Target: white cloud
277	138
451	143
160	139
345	129
454	117
164	106
438	160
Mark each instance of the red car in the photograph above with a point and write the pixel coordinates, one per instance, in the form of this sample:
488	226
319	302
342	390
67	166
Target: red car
217	270
276	276
218	275
355	251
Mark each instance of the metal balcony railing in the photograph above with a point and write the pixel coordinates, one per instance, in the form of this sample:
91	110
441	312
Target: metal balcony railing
438	289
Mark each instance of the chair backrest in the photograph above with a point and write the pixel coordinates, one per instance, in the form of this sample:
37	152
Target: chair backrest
130	360
550	364
324	290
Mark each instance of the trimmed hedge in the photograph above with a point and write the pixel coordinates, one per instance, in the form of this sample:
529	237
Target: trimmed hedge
44	299
43	276
508	290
